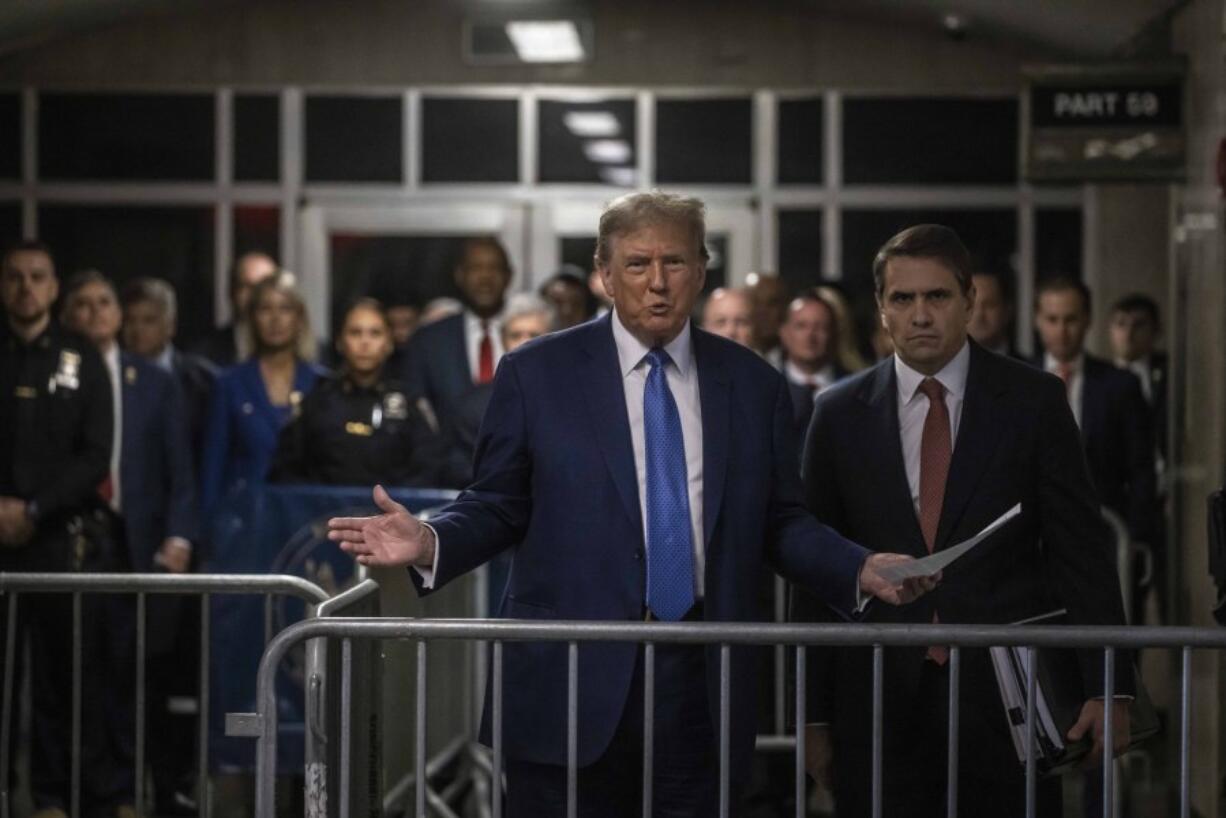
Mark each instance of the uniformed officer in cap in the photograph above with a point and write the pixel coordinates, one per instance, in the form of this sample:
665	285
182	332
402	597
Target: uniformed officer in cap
55	450
358	427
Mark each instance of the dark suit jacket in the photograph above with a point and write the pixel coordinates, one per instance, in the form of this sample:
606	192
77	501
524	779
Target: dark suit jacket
158	490
196	376
802	404
555	480
460	434
218	346
1117	429
437	365
1017	442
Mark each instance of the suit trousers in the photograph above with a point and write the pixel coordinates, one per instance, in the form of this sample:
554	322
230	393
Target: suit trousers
991	780
685	778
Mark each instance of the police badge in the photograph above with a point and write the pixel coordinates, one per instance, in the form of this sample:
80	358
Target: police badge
69	369
395	407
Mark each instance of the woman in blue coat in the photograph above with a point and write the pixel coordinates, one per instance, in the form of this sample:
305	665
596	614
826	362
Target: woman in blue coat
252	401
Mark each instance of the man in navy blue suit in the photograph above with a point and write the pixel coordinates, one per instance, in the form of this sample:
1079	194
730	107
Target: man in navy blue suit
640	469
151	486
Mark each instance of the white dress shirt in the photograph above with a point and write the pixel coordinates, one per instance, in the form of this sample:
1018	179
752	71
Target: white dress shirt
819	380
472	340
111	357
682	376
1076	383
913	409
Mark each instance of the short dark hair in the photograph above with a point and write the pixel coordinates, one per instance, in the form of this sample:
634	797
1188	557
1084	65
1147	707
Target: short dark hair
484	241
1003	279
82	278
369	304
1064	284
154	291
27	246
1139	302
931	241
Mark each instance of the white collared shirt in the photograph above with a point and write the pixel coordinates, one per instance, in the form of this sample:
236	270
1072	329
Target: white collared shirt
111	357
682	376
819	380
1076	383
1140	368
165	359
472	340
913	409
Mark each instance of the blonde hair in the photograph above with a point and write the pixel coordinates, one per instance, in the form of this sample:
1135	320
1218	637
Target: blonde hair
284	283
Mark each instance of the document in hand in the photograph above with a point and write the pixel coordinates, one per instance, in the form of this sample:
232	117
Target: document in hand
934	563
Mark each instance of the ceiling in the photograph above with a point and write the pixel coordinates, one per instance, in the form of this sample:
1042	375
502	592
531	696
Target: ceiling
1077	28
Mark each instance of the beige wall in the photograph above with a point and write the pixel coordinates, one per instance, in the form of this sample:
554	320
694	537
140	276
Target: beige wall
397	42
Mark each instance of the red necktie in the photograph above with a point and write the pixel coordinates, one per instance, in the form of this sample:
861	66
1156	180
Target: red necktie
485	356
936	451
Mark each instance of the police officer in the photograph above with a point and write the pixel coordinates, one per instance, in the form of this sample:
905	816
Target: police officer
55	445
358	427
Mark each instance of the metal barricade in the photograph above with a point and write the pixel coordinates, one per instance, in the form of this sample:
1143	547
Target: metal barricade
1029	638
141	585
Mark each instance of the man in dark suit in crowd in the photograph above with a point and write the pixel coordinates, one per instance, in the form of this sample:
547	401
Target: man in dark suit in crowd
640	469
448	357
153	489
929	446
149	323
808	337
991	323
229	344
1136	326
55	440
1116	425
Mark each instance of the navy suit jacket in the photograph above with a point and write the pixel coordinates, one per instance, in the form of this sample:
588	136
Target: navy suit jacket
555	480
437	365
1118	432
1017	443
158	490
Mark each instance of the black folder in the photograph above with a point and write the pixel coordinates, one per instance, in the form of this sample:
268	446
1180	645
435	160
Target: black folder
1058	701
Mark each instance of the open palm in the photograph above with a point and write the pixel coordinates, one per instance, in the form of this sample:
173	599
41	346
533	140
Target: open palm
394	538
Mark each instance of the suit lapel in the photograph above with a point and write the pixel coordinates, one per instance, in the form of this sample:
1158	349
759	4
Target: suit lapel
978	433
1092	406
600	378
881	399
714	395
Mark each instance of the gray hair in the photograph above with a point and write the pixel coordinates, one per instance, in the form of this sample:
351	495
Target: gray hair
522	304
155	291
636	210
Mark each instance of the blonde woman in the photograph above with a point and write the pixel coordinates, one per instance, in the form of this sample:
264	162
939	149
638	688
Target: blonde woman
252	401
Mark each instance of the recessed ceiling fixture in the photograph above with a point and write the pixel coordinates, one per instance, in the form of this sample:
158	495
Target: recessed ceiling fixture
545	41
607	151
592	124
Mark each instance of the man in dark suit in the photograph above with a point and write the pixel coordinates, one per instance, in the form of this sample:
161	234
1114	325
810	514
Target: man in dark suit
448	357
808	337
640	469
929	446
149	323
230	344
1135	329
1116	429
153	489
991	323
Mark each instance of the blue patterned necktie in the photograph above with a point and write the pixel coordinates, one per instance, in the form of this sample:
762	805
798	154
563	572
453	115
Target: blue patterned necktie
670	556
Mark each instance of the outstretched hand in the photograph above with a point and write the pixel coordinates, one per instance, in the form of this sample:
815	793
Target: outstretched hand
871	581
393	538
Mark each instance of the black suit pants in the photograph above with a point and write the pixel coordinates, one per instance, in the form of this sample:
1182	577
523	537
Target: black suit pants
991	780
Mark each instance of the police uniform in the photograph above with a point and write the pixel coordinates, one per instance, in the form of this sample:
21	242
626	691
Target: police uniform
345	434
56	428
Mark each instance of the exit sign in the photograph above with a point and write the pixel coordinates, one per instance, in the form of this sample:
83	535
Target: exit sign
1101	123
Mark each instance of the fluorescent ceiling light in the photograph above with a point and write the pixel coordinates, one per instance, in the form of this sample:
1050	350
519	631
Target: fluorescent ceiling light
546	40
622	177
592	123
607	151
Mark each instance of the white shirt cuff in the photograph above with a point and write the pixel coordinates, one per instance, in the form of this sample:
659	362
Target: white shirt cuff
427	574
178	542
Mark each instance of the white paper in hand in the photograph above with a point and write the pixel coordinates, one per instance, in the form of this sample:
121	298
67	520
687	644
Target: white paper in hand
895	573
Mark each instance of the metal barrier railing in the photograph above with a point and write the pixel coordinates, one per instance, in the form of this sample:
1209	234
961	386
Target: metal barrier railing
263	723
141	585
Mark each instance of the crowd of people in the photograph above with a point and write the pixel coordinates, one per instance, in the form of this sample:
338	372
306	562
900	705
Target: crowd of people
115	443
